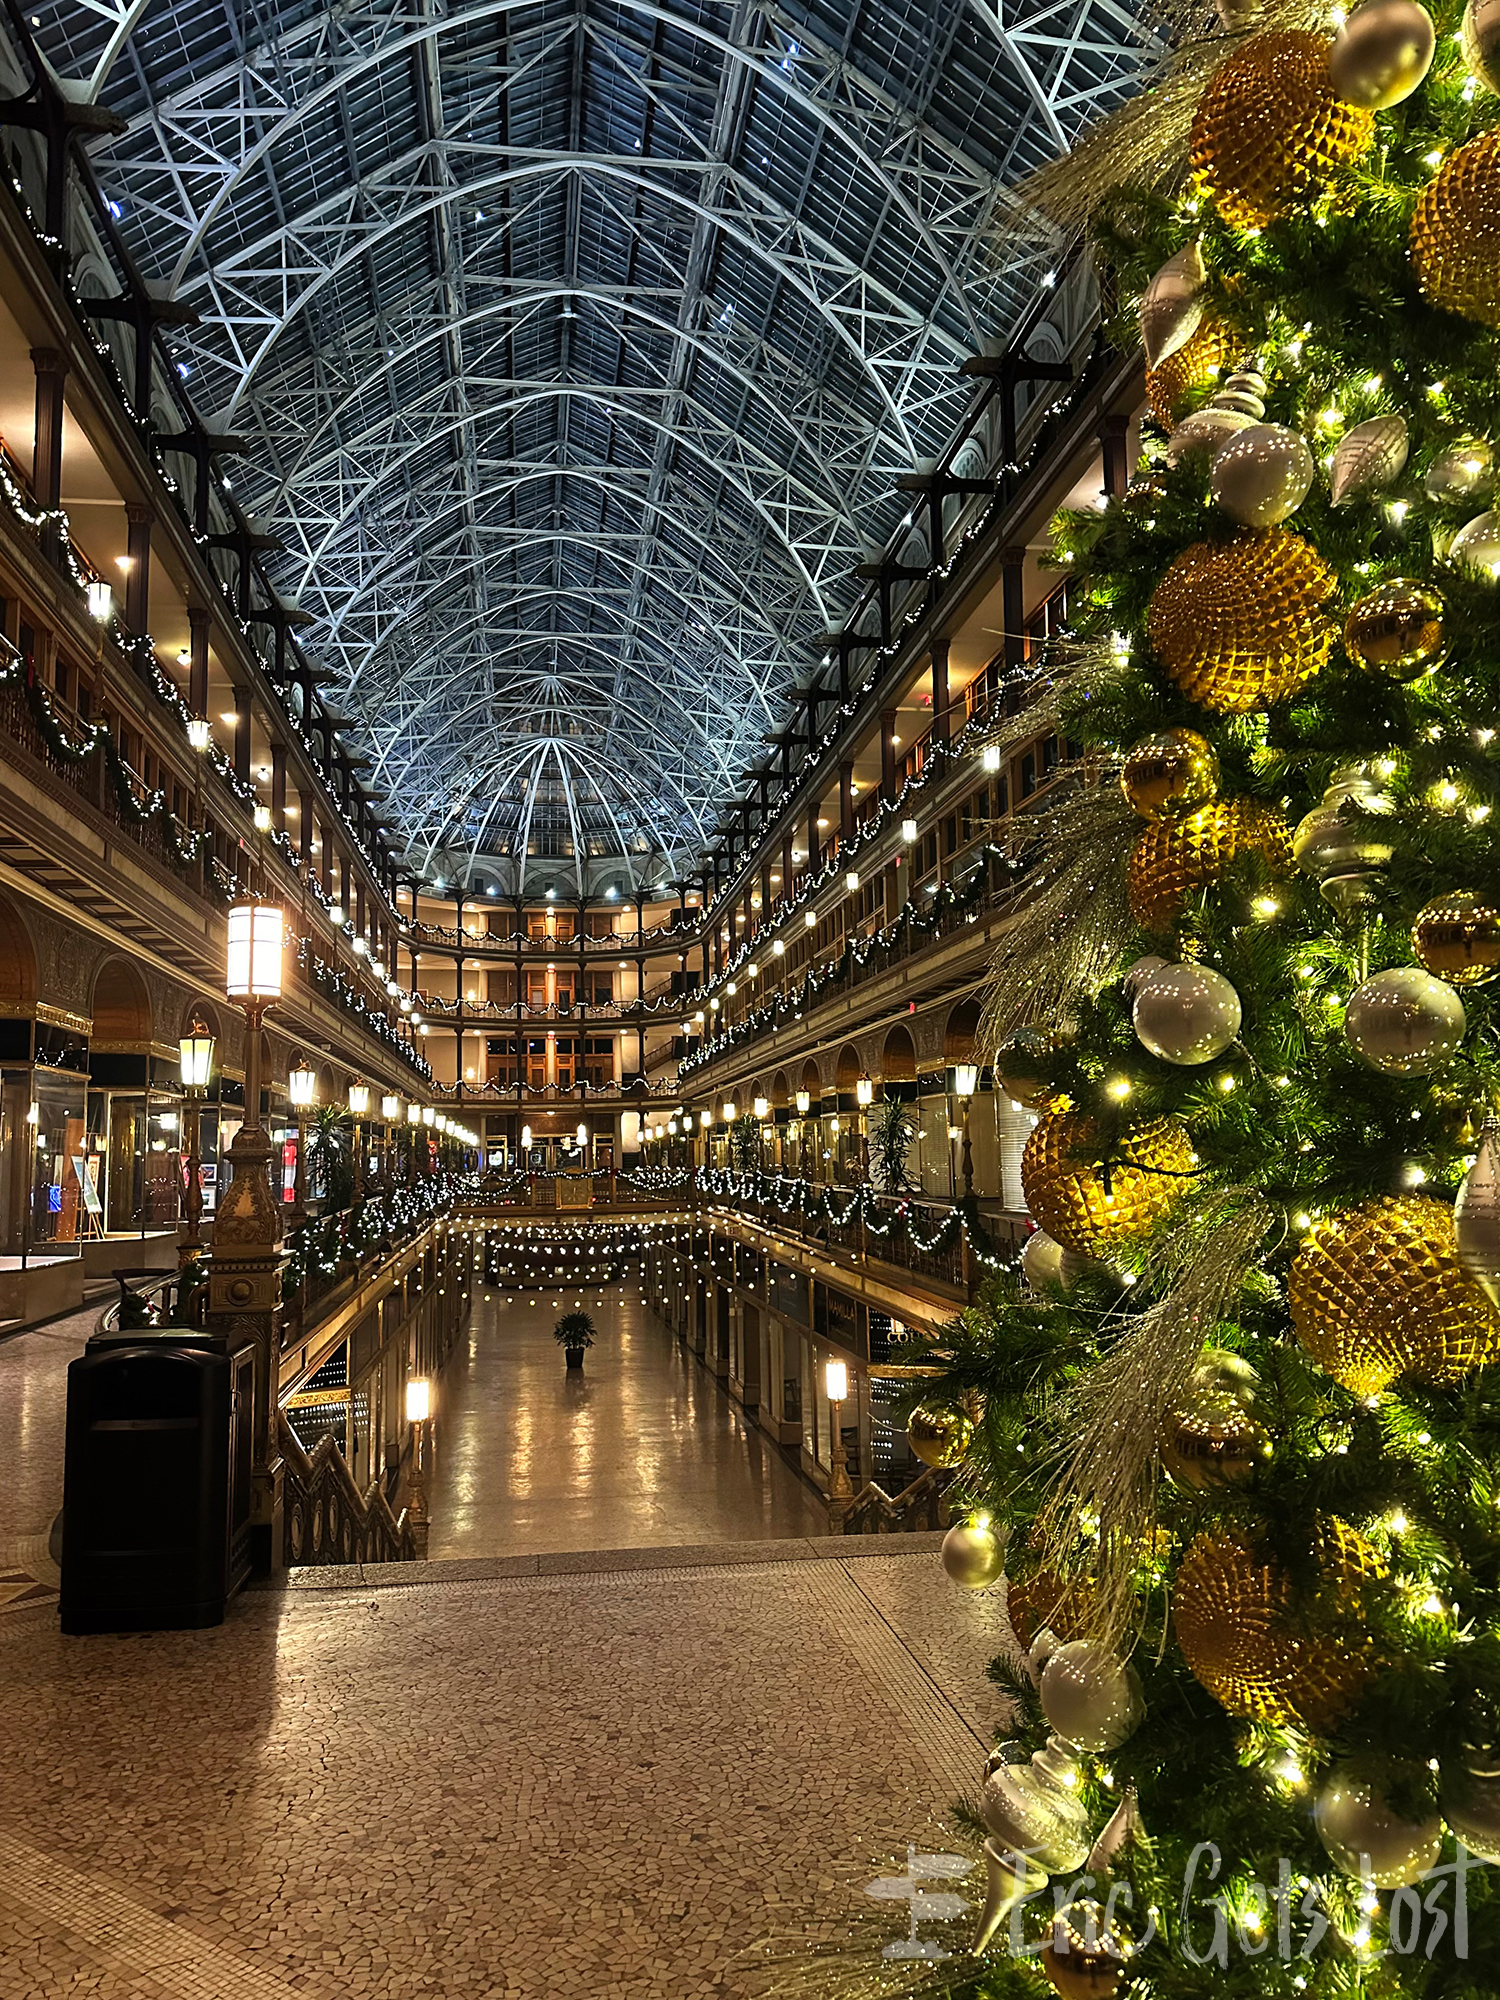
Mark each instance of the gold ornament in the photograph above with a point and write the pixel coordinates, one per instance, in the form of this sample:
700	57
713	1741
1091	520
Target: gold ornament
1235	1619
1212	1439
1087	1203
1457	936
1039	1598
973	1555
1167	775
1271	131
938	1437
1020	1067
1378	1292
1188	371
1173	857
1397	629
1084	1956
1455	232
1462	471
1240	625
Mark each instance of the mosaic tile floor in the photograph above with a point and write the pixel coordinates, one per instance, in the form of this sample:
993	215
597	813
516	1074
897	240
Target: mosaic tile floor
607	1782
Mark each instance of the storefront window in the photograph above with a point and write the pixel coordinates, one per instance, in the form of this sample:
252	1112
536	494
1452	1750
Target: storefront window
44	1127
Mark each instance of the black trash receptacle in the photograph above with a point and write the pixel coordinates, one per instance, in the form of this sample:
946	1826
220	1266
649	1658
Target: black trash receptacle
155	1507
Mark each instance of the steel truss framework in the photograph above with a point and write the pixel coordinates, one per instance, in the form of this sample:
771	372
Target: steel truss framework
582	343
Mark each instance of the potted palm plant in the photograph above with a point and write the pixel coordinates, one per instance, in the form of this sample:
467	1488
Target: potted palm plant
574	1332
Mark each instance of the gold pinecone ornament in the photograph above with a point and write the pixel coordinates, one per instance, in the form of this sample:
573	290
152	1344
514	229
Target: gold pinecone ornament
1271	131
1174	857
1183	377
1235	1619
1087	1201
1378	1292
1455	232
1240	625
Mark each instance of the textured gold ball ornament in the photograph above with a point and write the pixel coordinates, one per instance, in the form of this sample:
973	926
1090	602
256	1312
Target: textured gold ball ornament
1457	937
1382	53
1262	475
1188	371
1397	629
1088	1203
1455	232
1169	774
938	1437
1378	1292
1235	1618
1173	857
973	1555
1038	1597
1271	130
1240	625
1404	1022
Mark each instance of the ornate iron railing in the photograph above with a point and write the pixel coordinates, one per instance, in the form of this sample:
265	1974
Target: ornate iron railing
327	1518
922	1505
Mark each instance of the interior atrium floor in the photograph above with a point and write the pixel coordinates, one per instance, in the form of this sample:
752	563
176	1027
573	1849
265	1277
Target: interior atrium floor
642	1448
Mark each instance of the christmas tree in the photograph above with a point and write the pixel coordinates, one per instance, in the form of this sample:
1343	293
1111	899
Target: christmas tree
1233	1429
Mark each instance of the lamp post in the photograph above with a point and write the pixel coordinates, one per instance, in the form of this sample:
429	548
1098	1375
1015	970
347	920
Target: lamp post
359	1105
965	1083
195	1062
864	1096
302	1093
244	1273
840	1487
390	1114
418	1415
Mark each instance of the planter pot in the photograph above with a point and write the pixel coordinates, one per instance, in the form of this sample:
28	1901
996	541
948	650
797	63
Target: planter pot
575	1356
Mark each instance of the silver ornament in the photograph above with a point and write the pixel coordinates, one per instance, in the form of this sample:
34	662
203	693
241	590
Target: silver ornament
1186	1014
1090	1698
1237	407
1404	1022
1366	1839
1476	546
1382	53
1338	844
1472	1808
1368	458
1480	35
1034	1807
1010	1876
973	1554
1047	1264
1123	1827
1262	476
1172	309
1476	1214
1465	469
1142	968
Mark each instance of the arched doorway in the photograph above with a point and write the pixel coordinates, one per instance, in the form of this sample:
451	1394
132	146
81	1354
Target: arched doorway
898	1065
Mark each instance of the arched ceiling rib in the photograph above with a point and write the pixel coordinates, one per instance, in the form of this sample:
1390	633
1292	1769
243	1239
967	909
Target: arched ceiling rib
582	343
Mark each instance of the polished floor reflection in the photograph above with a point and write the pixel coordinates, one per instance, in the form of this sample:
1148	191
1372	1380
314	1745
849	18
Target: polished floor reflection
643	1450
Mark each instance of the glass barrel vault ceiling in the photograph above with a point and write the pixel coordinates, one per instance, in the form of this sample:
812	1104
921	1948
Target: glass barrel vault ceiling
580	345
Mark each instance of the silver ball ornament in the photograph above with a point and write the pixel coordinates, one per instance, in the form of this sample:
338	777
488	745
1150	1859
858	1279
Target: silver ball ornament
1090	1698
1382	53
1476	546
1472	1808
1480	35
1262	476
1141	969
1404	1022
1047	1264
1186	1014
1366	1839
1368	458
1465	469
973	1555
